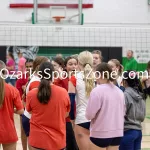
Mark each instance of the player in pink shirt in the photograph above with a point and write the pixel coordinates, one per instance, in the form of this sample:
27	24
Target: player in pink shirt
21	63
10	66
106	109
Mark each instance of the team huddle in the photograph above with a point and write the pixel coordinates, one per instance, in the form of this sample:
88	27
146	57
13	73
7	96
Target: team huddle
68	111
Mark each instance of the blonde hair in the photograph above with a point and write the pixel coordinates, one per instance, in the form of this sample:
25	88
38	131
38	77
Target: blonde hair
2	83
85	58
75	56
117	63
59	56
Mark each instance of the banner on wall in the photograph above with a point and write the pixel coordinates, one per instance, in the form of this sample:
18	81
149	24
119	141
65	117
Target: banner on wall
142	56
29	52
48	3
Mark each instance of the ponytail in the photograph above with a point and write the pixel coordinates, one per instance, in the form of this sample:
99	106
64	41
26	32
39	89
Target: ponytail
2	91
89	79
2	83
44	91
85	59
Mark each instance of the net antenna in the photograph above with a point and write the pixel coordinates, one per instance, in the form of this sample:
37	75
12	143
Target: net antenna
71	17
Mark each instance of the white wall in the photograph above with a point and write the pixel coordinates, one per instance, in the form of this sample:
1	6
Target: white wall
119	11
104	11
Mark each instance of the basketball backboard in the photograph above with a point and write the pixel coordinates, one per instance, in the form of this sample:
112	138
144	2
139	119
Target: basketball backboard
63	12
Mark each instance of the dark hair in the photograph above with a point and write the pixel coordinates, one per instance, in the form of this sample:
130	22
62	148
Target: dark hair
59	61
2	84
44	90
29	61
19	52
68	58
98	52
38	60
133	82
105	70
11	55
148	65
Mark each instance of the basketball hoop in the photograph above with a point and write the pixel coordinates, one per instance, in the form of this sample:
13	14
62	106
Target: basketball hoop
58	18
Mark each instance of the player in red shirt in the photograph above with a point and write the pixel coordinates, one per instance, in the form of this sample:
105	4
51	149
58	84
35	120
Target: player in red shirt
22	81
33	83
69	65
49	110
10	103
21	85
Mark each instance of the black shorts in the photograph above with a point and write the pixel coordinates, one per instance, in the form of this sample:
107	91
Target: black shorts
71	143
106	142
26	125
85	125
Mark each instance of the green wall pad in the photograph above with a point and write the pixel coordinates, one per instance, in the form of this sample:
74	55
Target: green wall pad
107	52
